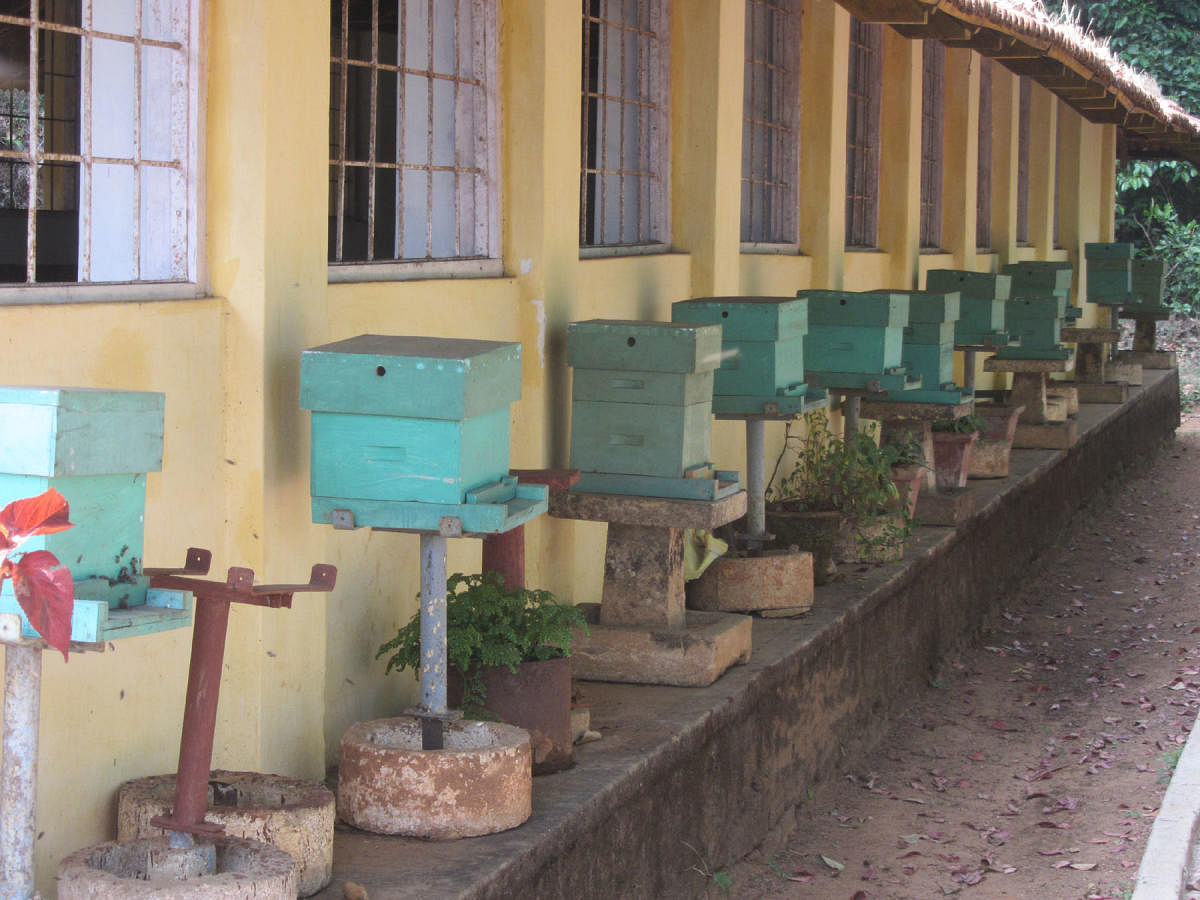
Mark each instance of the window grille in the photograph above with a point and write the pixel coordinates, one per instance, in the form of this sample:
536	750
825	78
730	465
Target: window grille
932	91
770	122
623	182
412	125
98	112
862	140
1023	125
983	189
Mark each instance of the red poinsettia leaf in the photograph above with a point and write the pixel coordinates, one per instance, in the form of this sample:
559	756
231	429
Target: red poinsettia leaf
46	513
46	593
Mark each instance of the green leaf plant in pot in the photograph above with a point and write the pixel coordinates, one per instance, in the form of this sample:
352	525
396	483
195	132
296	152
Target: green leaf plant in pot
839	499
507	649
952	443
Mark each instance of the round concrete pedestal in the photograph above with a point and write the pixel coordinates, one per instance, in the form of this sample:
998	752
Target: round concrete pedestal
480	783
295	816
149	868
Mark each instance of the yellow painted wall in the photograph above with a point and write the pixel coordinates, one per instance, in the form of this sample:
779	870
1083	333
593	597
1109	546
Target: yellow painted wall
235	476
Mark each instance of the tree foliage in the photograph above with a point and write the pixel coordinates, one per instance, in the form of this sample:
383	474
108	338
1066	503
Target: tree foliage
1158	202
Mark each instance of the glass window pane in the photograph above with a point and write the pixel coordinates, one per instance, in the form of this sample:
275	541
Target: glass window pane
112	248
58	222
115	16
112	106
62	12
59	90
157	121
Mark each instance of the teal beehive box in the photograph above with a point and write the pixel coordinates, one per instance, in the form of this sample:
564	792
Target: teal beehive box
1109	272
409	430
762	344
928	348
641	407
982	296
1146	289
1037	322
95	447
855	340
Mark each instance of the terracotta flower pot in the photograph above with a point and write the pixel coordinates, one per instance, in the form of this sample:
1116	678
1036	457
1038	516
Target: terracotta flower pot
537	697
908	482
952	458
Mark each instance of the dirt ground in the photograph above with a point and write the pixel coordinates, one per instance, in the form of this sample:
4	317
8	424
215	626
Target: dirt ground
1034	765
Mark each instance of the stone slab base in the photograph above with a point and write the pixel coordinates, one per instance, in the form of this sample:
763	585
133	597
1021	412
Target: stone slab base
1107	392
1051	436
694	656
947	507
779	579
1149	359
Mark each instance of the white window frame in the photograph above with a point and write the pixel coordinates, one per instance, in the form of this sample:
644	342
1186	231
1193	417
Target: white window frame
480	147
184	110
774	109
652	177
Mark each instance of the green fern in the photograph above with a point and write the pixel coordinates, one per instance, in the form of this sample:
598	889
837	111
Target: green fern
489	624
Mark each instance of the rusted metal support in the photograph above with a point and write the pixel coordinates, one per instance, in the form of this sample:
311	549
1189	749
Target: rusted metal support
200	716
18	773
505	552
213	599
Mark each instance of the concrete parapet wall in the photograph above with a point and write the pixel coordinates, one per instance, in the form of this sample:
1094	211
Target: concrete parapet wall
689	779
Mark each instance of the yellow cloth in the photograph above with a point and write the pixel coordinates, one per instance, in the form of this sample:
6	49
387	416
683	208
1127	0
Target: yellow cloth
700	548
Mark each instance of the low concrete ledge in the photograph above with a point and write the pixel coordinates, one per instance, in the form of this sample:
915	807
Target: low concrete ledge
685	775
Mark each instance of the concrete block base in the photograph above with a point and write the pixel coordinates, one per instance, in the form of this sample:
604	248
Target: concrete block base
1149	359
779	579
989	459
1105	392
1050	436
693	656
1066	396
295	816
149	868
946	507
1128	372
481	783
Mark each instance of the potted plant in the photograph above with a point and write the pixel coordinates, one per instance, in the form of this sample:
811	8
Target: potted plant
839	500
507	649
908	471
952	443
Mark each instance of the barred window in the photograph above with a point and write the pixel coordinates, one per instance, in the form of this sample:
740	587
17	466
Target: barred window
623	181
1023	125
770	122
983	189
98	138
932	90
862	138
413	169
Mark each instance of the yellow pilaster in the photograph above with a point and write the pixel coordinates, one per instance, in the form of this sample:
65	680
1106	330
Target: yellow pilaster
823	85
708	58
900	159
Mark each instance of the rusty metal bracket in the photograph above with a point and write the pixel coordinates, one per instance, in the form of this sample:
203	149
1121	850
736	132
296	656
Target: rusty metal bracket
196	563
213	600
